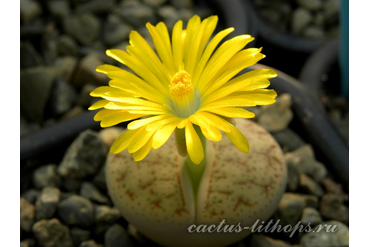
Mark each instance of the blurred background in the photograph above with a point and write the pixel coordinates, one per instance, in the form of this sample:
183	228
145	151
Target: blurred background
63	41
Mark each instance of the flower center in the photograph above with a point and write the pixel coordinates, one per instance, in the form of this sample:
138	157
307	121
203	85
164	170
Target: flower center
182	94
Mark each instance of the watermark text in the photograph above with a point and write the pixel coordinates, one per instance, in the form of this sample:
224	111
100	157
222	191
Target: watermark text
261	226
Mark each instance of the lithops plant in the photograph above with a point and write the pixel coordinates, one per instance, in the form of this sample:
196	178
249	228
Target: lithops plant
156	195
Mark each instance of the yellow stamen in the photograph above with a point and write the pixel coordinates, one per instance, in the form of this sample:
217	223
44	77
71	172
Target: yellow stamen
182	94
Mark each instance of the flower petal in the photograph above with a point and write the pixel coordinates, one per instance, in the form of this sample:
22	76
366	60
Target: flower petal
105	90
146	89
209	25
182	123
193	144
139	123
140	69
222	55
238	139
99	104
177	46
124	106
122	98
244	99
239	62
157	124
212	133
158	71
140	140
105	113
207	53
214	120
116	117
193	32
161	41
199	121
162	135
232	112
136	40
252	80
122	142
144	151
105	68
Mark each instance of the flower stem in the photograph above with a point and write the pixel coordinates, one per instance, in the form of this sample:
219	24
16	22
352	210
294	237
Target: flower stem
181	142
196	171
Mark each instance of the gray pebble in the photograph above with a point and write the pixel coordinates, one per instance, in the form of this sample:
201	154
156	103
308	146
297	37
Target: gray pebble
260	240
46	176
310	4
86	71
314	32
59	8
30	9
333	187
31	195
288	140
304	160
66	45
293	178
79	235
310	200
136	13
331	9
39	81
182	3
323	238
65	195
319	20
84	156
28	127
71	184
33	28
115	32
116	236
84	28
29	56
276	117
271	15
154	3
301	17
310	186
52	233
99	180
63	97
105	214
311	216
90	191
29	242
90	243
332	208
65	66
49	45
95	6
76	210
47	202
290	209
27	215
169	15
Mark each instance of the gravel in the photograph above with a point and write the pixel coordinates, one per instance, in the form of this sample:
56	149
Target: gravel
80	213
69	39
307	18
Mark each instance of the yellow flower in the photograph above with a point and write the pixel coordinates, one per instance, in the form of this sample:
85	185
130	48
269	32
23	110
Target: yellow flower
189	83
